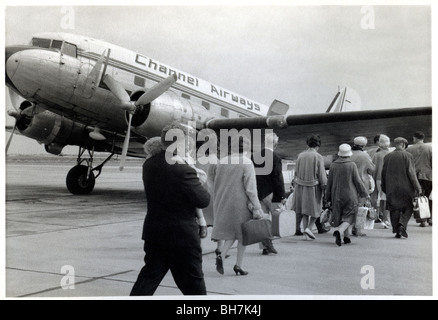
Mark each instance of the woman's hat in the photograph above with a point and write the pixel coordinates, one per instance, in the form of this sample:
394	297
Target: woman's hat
345	150
360	141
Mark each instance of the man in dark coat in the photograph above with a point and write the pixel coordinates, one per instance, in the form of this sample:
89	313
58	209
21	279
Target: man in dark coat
170	231
399	182
270	182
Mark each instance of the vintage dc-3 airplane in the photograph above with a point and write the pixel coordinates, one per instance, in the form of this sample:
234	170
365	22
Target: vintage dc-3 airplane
74	90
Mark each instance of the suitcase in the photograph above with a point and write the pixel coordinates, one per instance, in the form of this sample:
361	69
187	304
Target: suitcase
254	231
283	223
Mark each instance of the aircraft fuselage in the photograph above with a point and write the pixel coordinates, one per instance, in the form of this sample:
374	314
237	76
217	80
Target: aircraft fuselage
55	71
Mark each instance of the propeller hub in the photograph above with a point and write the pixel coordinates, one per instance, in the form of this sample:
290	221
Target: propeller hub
129	106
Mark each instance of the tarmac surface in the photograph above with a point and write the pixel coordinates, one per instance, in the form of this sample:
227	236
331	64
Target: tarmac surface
61	245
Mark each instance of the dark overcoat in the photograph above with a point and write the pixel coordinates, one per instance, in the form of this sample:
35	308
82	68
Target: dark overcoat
173	192
344	187
399	180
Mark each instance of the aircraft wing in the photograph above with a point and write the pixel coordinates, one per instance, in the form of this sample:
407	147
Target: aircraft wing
335	128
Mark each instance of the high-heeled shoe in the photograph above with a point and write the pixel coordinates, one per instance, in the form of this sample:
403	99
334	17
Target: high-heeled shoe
238	271
219	264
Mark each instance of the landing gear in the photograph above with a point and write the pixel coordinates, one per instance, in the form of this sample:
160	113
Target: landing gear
79	181
81	178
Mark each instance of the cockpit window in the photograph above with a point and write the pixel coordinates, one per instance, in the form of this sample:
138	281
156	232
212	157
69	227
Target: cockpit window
42	43
65	47
69	49
56	44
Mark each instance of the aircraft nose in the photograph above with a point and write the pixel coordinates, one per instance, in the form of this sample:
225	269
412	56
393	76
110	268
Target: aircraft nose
11	63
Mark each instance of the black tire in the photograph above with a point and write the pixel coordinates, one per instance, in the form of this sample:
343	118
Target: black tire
77	182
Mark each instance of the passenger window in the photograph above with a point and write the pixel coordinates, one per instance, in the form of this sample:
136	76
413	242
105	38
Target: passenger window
224	112
56	44
138	81
42	43
69	49
206	105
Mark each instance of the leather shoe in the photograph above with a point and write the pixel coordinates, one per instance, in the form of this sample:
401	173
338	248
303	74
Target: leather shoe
298	233
238	270
338	241
269	246
402	231
323	230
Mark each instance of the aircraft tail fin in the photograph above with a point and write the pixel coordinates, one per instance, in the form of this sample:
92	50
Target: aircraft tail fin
346	99
278	108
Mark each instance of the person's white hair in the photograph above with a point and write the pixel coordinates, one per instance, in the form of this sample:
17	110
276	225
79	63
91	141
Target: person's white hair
152	147
384	141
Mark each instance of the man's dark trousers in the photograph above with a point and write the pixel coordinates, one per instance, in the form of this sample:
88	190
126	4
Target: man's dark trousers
400	217
185	263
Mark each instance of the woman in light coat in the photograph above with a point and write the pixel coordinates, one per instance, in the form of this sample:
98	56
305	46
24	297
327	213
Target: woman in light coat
310	181
235	190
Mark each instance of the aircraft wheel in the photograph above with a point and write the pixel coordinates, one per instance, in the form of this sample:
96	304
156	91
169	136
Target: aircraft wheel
77	182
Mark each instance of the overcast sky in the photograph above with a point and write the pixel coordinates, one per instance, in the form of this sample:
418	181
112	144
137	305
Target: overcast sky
299	55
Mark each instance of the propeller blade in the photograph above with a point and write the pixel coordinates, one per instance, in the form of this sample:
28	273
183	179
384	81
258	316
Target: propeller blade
126	144
10	138
15	114
120	92
157	90
14	98
93	77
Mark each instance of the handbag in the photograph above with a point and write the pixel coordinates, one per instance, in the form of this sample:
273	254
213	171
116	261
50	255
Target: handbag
369	224
361	217
423	207
254	231
372	214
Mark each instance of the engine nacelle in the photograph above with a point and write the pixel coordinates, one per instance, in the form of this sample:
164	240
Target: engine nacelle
153	117
53	130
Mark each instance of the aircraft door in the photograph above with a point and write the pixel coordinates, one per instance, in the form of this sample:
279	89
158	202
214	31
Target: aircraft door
69	68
